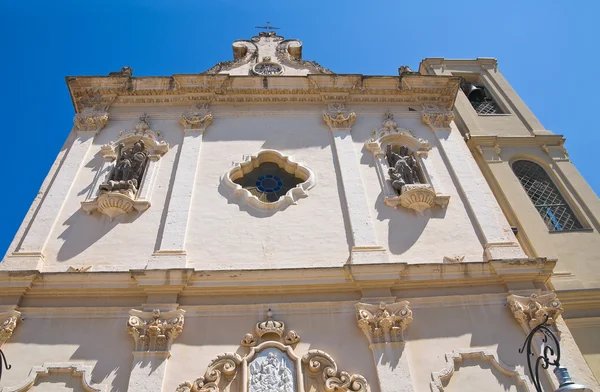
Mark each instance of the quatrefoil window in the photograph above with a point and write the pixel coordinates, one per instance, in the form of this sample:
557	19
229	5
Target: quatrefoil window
269	180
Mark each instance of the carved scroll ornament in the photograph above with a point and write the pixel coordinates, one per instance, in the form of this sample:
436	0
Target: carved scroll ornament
8	323
319	363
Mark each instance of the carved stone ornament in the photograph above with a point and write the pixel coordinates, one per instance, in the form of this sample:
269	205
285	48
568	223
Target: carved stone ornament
271	367
8	323
287	163
338	117
436	117
155	331
400	160
124	181
91	120
198	118
384	323
531	311
267	68
270	327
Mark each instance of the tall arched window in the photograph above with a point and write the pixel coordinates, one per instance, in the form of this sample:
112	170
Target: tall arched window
545	196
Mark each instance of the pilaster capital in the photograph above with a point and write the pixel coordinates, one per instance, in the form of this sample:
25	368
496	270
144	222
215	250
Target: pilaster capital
531	311
155	331
338	117
197	119
384	323
90	120
8	323
437	117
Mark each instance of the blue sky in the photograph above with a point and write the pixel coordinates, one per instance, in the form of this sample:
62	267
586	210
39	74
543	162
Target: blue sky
548	51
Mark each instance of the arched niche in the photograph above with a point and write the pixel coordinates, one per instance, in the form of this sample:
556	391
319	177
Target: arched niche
419	195
114	196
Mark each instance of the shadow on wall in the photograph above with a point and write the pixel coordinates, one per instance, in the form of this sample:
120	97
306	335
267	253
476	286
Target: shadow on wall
107	347
83	230
481	372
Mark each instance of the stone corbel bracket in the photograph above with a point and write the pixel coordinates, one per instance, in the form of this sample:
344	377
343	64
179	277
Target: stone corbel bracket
8	323
197	119
155	331
75	369
298	169
270	327
384	323
531	311
456	356
436	117
417	197
114	204
337	117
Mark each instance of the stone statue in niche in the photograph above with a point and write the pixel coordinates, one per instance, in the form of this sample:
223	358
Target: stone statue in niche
271	372
403	168
129	169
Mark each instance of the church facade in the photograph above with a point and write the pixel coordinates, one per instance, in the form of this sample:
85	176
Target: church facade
270	225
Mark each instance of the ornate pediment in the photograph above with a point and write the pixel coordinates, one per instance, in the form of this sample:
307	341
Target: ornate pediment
274	366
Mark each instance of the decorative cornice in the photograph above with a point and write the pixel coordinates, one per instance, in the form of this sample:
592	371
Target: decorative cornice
8	324
337	117
198	118
436	117
384	323
155	331
531	311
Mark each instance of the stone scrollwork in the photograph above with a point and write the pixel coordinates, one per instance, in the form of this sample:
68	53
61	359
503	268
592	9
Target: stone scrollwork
321	363
220	370
8	323
273	366
198	118
124	181
531	311
403	170
384	323
155	331
338	117
436	117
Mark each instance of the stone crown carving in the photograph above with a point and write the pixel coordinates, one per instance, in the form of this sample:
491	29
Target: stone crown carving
155	331
384	323
273	327
435	117
531	311
337	117
8	323
198	118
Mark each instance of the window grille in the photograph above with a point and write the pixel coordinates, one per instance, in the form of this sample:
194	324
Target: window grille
268	182
545	196
480	99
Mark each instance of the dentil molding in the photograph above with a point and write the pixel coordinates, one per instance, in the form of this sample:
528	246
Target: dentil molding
155	331
531	311
384	323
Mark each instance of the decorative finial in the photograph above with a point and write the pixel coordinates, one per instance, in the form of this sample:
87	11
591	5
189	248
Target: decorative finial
267	27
